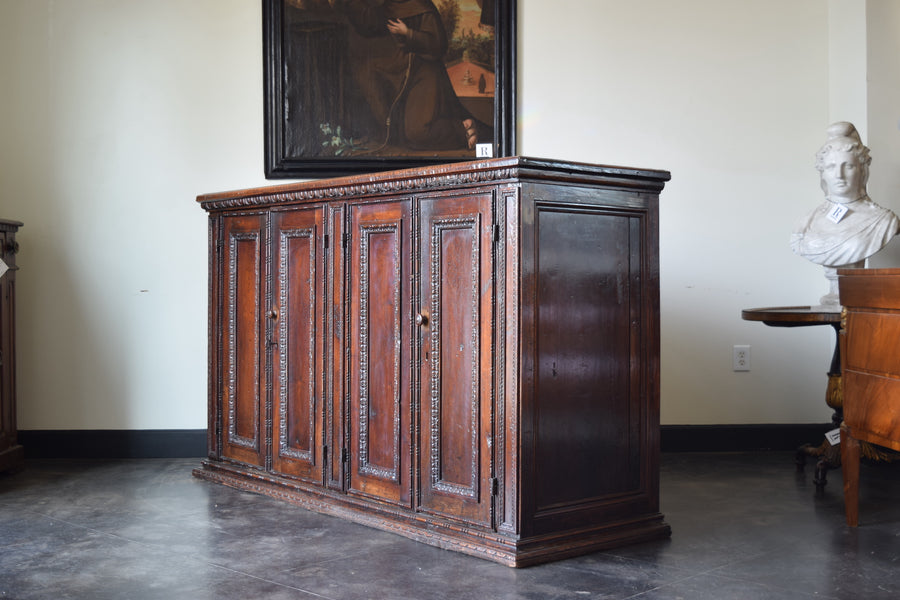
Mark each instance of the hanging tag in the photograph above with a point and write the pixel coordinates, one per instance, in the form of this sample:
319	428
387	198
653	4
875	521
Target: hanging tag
837	213
834	437
3	267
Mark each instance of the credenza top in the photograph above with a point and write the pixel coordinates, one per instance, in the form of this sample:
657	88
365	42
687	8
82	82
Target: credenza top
513	169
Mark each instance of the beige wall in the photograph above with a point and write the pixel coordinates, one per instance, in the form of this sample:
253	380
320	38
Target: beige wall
117	113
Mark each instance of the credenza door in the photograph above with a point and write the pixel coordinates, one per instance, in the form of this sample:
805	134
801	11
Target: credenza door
296	341
379	408
455	390
242	368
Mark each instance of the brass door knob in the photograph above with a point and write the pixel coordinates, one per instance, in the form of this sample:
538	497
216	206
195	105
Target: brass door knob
421	319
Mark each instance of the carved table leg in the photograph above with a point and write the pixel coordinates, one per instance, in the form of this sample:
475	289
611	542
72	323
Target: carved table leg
829	456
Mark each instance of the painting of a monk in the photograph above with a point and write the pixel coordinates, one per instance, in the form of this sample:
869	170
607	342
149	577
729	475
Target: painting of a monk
369	79
398	66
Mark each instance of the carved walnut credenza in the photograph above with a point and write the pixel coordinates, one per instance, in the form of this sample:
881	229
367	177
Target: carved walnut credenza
466	355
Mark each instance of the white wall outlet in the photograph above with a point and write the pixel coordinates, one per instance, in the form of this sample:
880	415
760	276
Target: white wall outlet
741	358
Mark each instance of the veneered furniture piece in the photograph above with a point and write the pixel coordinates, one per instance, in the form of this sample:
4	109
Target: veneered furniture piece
870	347
467	355
12	455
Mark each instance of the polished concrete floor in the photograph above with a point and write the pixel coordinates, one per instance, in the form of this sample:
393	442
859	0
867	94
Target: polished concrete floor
745	526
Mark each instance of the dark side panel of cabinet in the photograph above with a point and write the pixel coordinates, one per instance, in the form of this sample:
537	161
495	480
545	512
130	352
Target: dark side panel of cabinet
297	343
456	308
380	351
243	340
594	406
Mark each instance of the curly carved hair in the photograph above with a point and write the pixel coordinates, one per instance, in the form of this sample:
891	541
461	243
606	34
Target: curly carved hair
842	136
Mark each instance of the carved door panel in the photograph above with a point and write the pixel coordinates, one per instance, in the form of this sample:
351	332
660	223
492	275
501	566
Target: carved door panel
456	307
296	342
380	326
243	343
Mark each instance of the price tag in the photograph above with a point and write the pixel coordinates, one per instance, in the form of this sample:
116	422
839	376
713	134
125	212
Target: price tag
834	437
837	213
484	150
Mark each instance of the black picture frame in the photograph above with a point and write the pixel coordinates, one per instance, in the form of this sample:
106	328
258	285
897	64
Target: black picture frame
318	121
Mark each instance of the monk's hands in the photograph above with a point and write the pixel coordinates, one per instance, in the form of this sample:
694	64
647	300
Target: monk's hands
398	27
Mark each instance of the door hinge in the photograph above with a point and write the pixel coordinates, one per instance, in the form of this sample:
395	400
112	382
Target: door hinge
496	233
326	241
345	239
495	486
345	455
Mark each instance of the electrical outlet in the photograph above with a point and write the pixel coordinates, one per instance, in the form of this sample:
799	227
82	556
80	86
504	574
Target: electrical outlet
741	358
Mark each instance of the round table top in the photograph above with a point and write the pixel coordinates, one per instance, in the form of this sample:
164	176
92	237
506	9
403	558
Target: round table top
794	316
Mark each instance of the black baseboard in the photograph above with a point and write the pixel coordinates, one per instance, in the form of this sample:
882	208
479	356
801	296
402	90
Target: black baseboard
113	443
188	443
737	438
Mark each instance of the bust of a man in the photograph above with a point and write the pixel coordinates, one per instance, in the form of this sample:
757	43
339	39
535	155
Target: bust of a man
848	227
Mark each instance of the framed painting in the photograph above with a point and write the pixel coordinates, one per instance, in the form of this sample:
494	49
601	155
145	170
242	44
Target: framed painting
356	86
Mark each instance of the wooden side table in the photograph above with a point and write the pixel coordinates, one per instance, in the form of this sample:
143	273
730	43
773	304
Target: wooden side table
829	456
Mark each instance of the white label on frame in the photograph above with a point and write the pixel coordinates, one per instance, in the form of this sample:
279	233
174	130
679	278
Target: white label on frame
3	267
833	437
484	150
837	213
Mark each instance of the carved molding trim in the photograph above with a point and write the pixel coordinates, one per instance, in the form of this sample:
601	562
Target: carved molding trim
234	241
355	189
391	473
438	227
285	447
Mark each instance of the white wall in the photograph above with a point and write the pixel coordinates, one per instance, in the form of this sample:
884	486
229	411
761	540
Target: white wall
883	107
115	114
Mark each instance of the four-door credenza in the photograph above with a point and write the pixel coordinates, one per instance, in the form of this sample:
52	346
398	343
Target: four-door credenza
467	355
12	455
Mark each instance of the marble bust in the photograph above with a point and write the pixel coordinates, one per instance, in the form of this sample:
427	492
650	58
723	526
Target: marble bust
848	227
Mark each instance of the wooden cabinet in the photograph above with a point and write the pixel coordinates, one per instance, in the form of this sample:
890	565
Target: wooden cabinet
870	351
12	455
467	355
270	292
